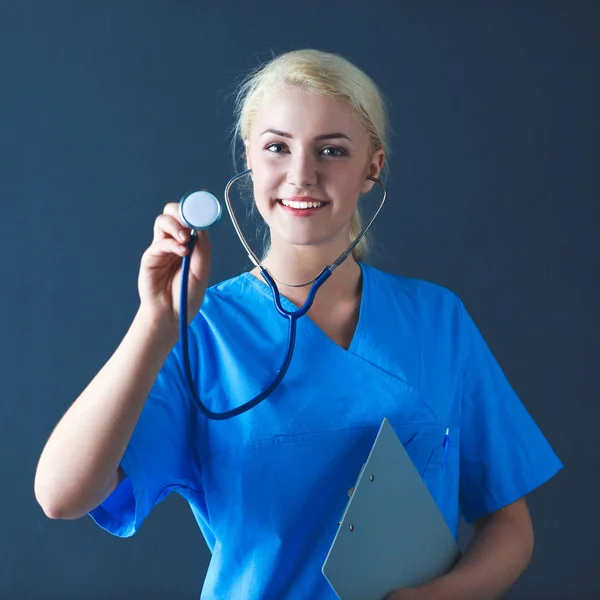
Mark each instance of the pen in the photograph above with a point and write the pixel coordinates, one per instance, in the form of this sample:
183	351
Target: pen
445	445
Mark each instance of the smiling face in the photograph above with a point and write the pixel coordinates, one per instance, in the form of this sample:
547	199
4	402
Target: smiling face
310	159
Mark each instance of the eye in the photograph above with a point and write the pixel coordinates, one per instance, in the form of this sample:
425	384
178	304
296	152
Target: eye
275	148
334	151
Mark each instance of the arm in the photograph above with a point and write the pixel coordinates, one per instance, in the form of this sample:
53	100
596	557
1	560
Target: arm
494	560
79	466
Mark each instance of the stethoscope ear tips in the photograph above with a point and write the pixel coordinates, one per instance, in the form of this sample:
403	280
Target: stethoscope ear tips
200	210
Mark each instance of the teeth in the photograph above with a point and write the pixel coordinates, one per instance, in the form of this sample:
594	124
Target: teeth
301	205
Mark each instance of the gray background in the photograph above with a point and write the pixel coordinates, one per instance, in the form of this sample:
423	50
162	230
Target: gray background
110	109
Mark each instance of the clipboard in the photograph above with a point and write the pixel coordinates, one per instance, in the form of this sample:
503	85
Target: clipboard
392	534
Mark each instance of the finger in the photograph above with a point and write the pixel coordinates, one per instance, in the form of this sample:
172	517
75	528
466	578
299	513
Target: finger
167	248
166	226
172	209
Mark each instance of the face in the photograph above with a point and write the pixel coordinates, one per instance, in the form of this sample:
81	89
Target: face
310	160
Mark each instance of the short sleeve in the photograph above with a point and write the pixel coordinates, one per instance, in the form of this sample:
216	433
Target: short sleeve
159	457
504	455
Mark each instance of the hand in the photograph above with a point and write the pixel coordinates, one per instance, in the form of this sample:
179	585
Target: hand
159	281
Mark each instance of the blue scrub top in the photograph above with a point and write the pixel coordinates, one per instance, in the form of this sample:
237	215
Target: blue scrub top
267	488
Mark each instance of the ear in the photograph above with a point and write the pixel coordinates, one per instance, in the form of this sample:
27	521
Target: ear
373	169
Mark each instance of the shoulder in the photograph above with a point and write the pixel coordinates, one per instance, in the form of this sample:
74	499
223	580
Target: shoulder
234	293
233	287
234	303
417	295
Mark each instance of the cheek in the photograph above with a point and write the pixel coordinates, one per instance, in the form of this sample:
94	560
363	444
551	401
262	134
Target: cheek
349	189
266	183
261	196
261	189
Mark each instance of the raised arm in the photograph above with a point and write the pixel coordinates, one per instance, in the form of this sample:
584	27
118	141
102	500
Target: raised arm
79	466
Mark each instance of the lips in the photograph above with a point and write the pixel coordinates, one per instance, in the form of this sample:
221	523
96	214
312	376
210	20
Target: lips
302	199
298	204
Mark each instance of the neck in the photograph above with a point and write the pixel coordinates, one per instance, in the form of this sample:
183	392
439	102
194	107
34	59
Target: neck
298	264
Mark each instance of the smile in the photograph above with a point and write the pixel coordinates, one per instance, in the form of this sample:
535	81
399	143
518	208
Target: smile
301	205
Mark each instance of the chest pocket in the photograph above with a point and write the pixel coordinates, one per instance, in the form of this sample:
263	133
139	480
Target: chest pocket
425	444
435	455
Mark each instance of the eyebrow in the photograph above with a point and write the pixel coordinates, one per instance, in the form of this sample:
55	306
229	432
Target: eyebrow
324	136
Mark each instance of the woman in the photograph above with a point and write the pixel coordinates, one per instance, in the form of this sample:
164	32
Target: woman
267	487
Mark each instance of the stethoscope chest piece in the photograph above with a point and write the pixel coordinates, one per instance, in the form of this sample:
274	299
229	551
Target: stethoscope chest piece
200	210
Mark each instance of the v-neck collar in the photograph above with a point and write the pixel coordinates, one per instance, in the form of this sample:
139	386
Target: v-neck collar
289	305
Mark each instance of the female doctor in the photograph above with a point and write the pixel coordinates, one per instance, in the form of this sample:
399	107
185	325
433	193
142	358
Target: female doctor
267	487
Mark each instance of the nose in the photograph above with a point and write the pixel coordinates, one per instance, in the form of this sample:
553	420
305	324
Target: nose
302	170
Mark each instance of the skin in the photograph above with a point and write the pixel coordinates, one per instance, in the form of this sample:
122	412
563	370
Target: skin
336	170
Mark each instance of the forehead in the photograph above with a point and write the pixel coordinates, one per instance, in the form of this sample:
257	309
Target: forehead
293	110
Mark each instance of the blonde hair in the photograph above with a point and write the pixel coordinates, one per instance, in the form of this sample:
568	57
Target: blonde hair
318	73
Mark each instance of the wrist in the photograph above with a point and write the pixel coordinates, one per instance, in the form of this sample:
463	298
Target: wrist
162	328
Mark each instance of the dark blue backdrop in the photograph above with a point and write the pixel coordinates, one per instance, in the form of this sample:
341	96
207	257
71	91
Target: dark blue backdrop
110	109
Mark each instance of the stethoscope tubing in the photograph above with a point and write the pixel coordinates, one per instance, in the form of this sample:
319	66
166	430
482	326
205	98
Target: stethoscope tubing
291	316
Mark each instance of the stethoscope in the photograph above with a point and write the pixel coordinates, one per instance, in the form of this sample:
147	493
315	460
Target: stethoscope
200	210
